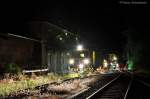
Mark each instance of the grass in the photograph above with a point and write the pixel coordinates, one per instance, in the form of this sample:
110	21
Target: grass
71	75
9	85
13	86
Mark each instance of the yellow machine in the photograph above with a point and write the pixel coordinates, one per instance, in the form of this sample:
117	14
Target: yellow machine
80	61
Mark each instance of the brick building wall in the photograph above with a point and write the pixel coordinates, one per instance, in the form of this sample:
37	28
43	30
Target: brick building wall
25	53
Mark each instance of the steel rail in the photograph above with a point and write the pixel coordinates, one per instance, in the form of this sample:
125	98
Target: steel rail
100	89
144	83
129	86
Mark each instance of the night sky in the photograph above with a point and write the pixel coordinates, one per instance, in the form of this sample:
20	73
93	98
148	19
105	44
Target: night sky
100	24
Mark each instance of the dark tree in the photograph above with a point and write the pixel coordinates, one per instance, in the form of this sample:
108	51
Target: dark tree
137	48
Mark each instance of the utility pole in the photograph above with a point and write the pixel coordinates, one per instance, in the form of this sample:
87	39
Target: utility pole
93	57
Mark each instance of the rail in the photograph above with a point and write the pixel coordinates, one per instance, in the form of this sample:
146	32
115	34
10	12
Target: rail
129	86
100	89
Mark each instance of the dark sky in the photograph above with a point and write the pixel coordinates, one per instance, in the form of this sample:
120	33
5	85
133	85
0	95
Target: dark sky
99	23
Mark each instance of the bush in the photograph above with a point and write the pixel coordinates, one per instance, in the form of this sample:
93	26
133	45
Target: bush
12	68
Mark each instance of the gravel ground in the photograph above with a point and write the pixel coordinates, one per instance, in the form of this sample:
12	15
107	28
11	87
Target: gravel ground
56	90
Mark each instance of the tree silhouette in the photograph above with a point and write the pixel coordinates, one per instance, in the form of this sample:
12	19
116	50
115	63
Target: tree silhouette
137	48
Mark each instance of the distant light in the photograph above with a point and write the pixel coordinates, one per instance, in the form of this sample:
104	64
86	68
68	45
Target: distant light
60	38
82	55
76	38
111	63
130	65
115	58
79	48
105	63
71	61
86	61
66	34
117	65
68	54
81	65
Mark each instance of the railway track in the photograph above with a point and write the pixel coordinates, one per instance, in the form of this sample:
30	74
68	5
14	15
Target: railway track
115	89
124	86
101	83
139	89
108	86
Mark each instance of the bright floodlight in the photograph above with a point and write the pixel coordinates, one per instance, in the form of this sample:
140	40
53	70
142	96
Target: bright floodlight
105	63
82	55
86	61
71	61
81	65
114	58
79	47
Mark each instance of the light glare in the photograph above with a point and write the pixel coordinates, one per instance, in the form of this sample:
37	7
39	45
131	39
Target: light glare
79	47
81	65
71	61
86	61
